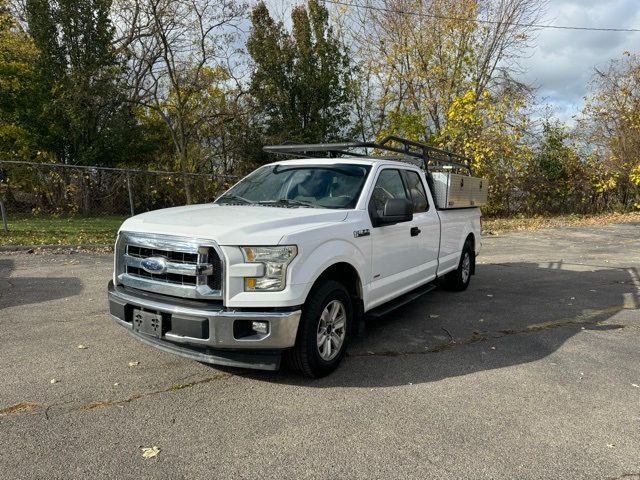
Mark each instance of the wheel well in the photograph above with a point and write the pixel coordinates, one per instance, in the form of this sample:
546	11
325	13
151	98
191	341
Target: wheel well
472	239
344	273
347	275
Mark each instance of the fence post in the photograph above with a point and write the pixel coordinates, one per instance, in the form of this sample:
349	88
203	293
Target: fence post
130	193
4	217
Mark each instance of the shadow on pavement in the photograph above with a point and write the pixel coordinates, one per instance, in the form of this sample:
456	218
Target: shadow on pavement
525	311
15	291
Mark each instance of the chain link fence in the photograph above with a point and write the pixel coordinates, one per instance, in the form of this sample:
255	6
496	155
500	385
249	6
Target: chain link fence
70	190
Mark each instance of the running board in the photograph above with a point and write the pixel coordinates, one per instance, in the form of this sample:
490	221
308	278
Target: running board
400	301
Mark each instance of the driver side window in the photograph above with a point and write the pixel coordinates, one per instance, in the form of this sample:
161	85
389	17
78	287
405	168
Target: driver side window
389	185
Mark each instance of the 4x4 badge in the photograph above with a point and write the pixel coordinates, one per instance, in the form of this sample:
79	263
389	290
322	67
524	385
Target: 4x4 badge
361	233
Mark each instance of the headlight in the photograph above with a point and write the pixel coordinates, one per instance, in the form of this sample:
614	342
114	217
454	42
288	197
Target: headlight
275	260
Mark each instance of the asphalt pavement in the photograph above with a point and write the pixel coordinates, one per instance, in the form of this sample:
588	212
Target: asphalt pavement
533	372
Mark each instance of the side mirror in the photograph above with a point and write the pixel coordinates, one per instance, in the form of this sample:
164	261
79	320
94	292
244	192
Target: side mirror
396	210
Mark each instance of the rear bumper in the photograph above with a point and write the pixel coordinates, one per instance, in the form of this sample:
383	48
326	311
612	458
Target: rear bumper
208	332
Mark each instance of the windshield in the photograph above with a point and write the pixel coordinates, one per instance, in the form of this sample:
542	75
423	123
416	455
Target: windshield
317	186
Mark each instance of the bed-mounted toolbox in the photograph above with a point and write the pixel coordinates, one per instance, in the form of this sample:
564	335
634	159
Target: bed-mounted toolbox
453	190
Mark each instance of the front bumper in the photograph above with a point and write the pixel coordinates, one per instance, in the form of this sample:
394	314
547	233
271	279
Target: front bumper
208	332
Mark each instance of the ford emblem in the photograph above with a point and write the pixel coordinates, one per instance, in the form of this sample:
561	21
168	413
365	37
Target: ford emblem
154	265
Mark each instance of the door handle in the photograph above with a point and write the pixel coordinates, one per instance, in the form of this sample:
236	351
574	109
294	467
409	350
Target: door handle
415	231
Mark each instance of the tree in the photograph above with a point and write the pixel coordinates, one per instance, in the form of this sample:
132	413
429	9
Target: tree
420	56
19	90
610	127
84	119
300	80
489	129
558	180
178	53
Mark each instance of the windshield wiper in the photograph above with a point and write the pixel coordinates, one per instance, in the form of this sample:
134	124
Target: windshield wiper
234	199
286	202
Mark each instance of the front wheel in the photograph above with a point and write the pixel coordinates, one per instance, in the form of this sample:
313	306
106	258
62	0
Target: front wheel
325	328
459	278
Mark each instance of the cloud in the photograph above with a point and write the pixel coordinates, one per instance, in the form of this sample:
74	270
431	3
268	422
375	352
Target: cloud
562	62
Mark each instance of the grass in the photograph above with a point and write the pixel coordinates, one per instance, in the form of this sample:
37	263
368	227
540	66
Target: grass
34	231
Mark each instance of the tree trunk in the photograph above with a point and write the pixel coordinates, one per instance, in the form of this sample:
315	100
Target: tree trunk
187	188
182	162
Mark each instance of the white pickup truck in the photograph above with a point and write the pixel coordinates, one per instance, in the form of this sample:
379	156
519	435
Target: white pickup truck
287	262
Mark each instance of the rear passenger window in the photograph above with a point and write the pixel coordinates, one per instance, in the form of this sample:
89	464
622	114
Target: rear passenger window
389	185
417	191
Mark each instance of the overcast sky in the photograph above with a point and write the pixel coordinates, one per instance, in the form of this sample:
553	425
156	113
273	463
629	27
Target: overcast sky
563	61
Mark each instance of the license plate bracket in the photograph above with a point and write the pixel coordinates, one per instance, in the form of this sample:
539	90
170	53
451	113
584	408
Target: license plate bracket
149	323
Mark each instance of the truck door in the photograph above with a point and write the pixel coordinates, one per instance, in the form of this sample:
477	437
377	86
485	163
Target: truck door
425	226
394	260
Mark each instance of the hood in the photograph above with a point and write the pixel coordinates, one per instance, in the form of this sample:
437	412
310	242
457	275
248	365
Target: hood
231	224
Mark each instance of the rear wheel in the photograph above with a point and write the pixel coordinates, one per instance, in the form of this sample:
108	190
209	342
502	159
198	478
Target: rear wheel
459	278
325	328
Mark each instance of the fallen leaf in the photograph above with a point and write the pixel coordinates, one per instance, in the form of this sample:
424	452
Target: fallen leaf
22	407
634	385
489	295
150	452
433	316
610	445
572	298
116	384
53	380
82	347
493	348
133	364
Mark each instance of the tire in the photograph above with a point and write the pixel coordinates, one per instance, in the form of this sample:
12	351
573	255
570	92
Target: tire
458	280
328	309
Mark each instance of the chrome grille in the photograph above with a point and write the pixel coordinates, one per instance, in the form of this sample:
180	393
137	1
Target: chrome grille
142	252
164	277
191	268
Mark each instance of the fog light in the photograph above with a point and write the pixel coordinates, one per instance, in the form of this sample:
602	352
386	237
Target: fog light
260	327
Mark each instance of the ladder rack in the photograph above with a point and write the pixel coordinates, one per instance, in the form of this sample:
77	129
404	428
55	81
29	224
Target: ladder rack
407	150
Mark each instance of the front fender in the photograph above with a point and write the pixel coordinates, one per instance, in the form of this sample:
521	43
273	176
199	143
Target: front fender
327	254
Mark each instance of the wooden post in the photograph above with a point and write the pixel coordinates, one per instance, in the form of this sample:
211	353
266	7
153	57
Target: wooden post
130	194
4	217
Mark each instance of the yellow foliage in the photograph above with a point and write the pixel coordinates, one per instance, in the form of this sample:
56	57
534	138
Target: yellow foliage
476	127
635	175
606	184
